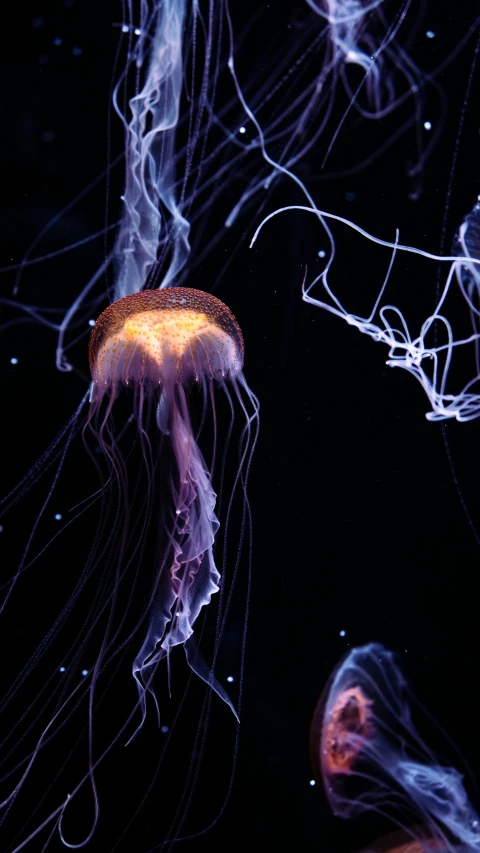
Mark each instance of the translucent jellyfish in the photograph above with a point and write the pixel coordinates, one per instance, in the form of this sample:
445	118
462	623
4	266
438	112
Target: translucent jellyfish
369	757
161	344
362	35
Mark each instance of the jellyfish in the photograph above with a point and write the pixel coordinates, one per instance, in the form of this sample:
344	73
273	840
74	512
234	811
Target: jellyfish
162	344
368	756
362	35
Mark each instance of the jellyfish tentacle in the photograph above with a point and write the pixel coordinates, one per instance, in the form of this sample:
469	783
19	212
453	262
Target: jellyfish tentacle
192	577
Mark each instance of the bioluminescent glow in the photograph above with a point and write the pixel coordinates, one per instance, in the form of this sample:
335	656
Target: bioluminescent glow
368	755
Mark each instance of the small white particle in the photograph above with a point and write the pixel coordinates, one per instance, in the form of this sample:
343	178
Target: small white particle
427	125
230	678
58	516
242	130
84	672
312	783
14	361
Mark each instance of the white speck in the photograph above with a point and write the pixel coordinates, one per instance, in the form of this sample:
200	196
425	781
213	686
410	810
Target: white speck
321	253
230	678
353	56
125	28
342	633
312	783
427	125
137	31
62	669
58	516
242	130
84	672
430	34
91	322
164	729
177	511
14	360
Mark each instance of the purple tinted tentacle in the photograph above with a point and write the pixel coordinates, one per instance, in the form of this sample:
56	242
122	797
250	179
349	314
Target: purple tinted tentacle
191	576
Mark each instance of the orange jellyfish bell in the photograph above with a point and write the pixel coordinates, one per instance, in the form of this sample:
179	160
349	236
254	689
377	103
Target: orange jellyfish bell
161	336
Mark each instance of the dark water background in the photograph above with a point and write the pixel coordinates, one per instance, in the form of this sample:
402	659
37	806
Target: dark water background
357	513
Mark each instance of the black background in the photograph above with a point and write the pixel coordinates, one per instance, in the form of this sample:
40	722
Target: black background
361	524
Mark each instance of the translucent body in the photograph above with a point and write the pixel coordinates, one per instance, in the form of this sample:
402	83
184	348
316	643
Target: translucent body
161	343
368	755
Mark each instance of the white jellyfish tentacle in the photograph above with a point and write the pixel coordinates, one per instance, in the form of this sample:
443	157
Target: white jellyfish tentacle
149	198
